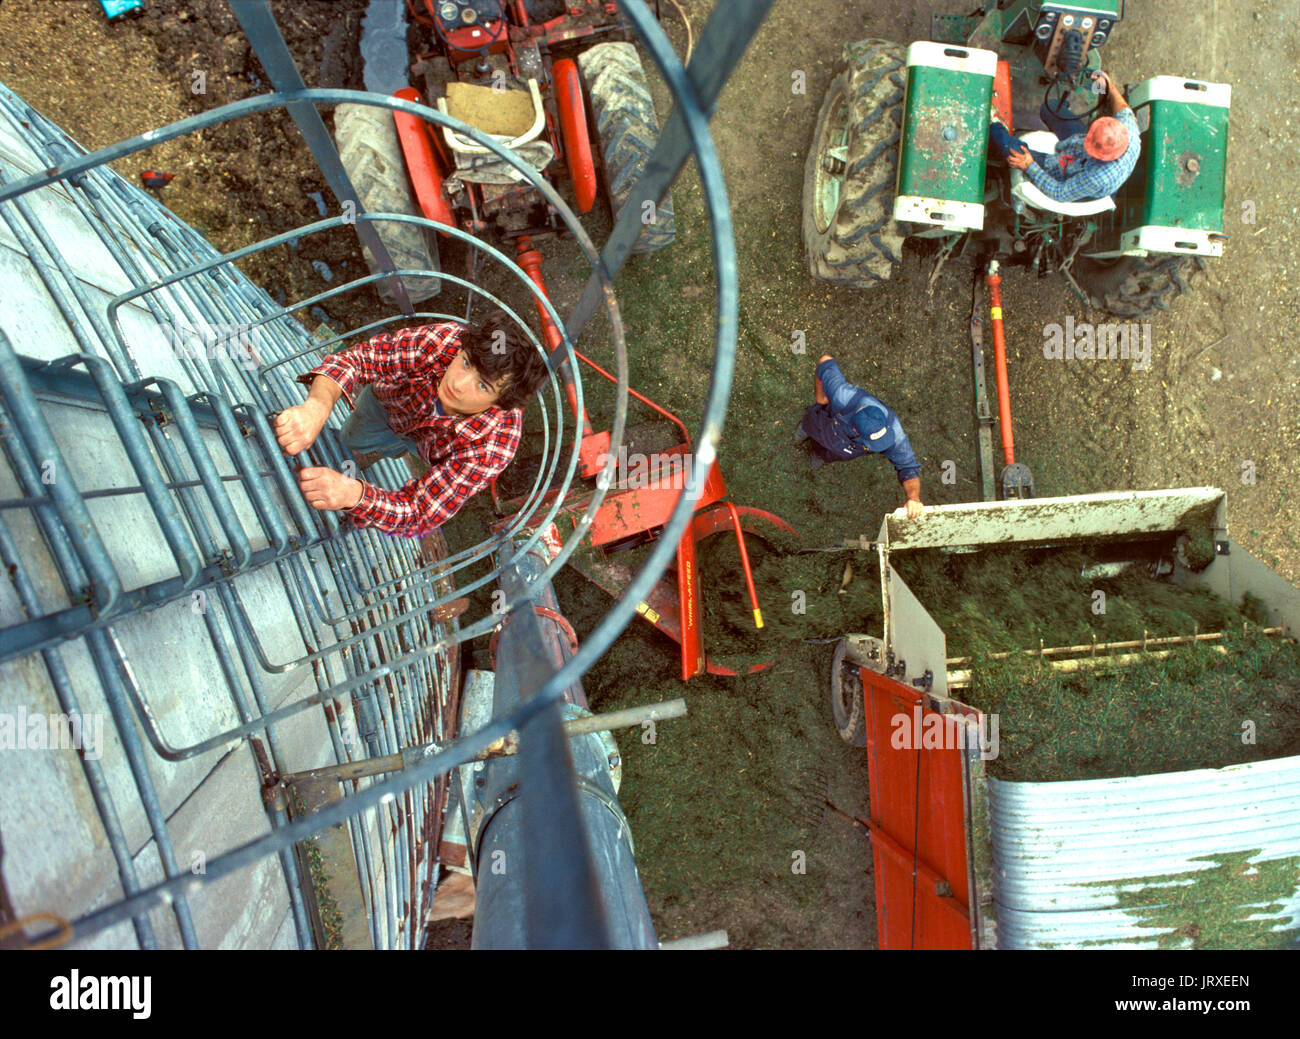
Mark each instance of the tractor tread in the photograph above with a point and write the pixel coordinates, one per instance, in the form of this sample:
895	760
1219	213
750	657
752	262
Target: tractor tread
861	244
1134	286
627	129
369	149
861	166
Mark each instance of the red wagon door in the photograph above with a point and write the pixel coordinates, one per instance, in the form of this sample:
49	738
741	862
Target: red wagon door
919	759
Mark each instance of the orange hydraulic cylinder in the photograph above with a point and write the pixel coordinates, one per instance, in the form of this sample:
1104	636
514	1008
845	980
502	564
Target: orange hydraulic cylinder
1000	370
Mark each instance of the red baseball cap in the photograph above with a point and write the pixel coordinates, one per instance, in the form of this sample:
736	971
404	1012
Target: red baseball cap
1107	139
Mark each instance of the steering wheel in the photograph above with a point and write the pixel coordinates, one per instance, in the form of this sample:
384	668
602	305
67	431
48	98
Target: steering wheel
1066	84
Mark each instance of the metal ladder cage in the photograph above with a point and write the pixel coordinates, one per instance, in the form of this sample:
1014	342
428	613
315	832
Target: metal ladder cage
194	431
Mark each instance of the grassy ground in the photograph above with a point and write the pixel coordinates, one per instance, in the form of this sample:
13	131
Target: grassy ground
717	805
713	803
1194	709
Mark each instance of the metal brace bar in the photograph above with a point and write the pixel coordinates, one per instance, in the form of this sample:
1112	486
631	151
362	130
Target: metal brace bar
263	34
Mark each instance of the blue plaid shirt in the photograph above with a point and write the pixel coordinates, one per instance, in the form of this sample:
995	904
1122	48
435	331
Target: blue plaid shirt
1086	177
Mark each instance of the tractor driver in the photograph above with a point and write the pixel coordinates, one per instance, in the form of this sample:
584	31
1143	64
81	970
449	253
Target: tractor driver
452	395
1090	161
848	422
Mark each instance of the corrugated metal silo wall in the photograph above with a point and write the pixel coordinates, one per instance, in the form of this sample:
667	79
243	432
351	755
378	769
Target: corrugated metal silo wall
1209	859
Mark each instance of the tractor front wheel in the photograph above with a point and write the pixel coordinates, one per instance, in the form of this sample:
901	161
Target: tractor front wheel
848	190
1136	286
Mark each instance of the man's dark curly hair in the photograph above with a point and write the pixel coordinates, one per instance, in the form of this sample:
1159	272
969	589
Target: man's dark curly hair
497	347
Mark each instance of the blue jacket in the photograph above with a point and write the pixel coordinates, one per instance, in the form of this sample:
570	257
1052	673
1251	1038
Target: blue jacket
847	400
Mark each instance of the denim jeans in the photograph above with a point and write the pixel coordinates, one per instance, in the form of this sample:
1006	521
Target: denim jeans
828	437
1063	128
367	429
1002	142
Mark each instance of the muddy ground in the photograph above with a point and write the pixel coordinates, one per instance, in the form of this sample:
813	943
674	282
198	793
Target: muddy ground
719	804
237	182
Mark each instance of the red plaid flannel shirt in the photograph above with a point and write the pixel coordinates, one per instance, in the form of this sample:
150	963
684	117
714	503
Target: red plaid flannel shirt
464	452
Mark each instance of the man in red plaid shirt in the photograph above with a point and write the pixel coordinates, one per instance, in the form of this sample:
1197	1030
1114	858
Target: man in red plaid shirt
454	396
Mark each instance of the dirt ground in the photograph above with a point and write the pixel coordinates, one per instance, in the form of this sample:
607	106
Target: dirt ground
720	803
237	182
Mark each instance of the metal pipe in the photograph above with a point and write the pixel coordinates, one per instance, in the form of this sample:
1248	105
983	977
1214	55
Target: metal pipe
268	44
412	755
695	90
536	883
578	887
962	679
627	718
744	564
354	561
31	430
100	392
633	393
96	779
708	940
530	259
1092	647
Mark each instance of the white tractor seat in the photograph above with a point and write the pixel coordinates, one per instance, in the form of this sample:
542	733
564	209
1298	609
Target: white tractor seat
1023	188
520	130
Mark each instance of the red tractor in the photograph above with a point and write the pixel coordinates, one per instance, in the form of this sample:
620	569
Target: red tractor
559	84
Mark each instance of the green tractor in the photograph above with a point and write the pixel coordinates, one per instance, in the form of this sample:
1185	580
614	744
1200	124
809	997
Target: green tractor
901	151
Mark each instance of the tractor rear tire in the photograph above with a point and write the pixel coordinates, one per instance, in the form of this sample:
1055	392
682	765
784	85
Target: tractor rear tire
1136	286
372	155
628	130
849	233
847	706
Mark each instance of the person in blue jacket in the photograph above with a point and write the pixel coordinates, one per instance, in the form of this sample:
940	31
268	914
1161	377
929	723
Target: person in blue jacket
848	422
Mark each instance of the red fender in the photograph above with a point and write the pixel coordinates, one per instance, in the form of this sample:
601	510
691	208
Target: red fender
1002	92
573	127
421	164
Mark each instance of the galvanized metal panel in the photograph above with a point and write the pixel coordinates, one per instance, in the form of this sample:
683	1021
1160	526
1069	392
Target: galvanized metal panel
1084	517
1169	860
912	634
1232	575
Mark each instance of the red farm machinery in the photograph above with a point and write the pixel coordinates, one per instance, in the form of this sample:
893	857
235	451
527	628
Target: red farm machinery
653	467
558	84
